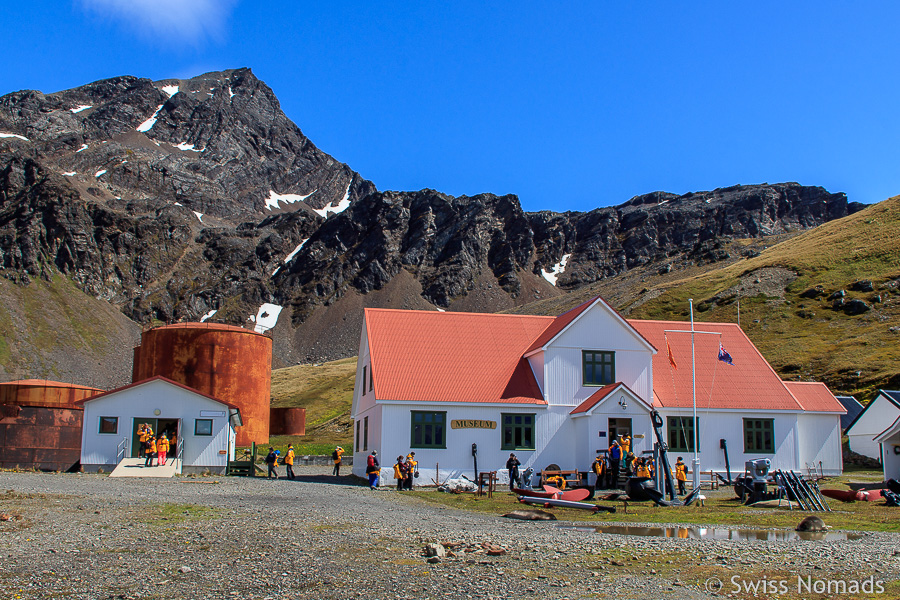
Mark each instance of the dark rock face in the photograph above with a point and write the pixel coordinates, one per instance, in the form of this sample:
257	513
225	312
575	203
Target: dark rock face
653	227
174	198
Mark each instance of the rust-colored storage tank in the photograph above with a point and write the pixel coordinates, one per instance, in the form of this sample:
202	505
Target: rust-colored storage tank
288	421
40	424
224	361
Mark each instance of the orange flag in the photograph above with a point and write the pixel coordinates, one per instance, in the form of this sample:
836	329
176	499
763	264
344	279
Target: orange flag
671	358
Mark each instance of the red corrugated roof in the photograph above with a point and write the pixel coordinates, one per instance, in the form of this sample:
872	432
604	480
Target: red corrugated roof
751	384
426	356
815	396
595	398
452	357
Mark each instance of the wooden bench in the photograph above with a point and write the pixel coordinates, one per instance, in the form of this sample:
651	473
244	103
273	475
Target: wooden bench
573	478
708	479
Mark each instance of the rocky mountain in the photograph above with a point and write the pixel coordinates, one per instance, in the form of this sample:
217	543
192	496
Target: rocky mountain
172	199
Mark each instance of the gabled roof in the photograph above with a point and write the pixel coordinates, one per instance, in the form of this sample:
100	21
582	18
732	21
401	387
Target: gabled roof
853	409
890	395
603	393
751	384
563	321
156	378
814	396
426	356
889	432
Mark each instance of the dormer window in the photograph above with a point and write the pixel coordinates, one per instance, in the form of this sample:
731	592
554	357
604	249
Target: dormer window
599	367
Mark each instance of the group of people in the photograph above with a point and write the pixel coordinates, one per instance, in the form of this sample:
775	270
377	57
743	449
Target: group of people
274	456
608	466
405	469
154	447
272	462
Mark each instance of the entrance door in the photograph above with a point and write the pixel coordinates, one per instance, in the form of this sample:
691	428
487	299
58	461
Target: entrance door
619	427
135	439
170	428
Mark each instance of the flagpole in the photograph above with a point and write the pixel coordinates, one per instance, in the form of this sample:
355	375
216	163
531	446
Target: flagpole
695	463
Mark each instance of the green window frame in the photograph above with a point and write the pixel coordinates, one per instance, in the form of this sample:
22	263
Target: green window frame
598	367
680	433
428	429
365	434
364	381
203	427
759	436
517	432
357	432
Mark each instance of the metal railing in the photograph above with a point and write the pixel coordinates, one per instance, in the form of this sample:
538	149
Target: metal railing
121	450
179	455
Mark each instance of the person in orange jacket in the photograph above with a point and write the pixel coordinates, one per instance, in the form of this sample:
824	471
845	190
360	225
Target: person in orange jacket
289	462
337	457
412	468
401	472
151	452
680	475
162	447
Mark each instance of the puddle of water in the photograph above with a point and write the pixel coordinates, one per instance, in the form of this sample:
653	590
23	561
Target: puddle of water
721	533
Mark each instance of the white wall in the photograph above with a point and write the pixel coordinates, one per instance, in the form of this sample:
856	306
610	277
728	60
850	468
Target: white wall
891	460
363	399
596	329
554	435
375	415
140	402
820	440
876	418
729	425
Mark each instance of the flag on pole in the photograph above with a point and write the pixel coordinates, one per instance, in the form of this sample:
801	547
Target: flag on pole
724	356
671	358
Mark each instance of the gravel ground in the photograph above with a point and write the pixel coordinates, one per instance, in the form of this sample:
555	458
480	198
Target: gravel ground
89	536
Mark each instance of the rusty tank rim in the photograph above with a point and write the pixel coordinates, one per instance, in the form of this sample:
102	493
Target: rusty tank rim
208	326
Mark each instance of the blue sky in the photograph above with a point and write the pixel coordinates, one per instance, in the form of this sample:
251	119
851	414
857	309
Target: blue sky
570	106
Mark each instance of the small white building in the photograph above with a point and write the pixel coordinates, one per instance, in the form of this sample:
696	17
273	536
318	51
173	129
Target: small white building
559	390
881	411
204	427
889	440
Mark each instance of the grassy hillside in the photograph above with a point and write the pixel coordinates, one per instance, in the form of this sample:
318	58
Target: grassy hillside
326	392
806	337
53	330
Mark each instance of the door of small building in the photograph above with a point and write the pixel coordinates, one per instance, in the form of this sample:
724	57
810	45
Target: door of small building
135	438
172	430
618	427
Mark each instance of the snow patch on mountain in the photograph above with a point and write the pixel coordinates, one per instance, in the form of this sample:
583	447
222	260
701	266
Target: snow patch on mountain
273	199
553	274
149	123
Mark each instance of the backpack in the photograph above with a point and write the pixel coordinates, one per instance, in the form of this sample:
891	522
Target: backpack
334	455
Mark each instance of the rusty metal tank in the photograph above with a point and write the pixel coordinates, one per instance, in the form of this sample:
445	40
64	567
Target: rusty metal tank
224	361
288	421
40	424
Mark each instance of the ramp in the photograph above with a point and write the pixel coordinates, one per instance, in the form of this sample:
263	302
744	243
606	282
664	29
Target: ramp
134	467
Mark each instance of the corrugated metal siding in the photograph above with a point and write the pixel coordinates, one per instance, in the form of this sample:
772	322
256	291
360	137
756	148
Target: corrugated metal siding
730	426
537	367
564	375
362	402
821	441
599	329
